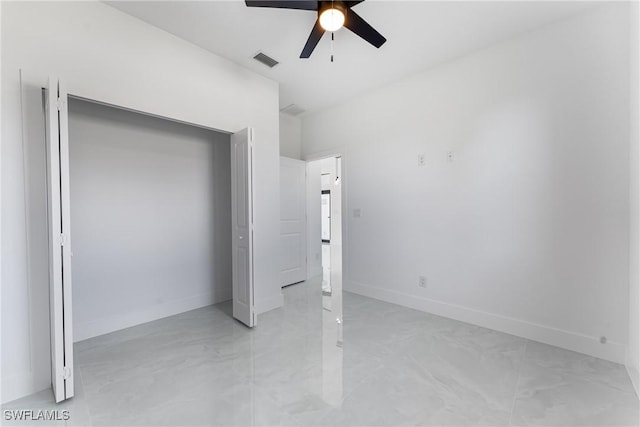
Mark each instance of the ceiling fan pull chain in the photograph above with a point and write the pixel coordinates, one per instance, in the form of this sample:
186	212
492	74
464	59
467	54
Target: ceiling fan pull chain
332	33
332	46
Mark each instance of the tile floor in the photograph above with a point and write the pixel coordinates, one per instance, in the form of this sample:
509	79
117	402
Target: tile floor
389	365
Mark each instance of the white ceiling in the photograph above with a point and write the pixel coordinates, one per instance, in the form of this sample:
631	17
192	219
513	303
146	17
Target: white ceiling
419	35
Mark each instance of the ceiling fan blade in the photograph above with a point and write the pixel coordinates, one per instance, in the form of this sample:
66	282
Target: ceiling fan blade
284	4
312	41
359	26
352	3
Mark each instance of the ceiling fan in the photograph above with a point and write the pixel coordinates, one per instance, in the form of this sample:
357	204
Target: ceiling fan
332	15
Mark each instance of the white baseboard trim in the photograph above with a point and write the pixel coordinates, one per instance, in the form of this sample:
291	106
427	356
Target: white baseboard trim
268	304
633	372
612	351
21	385
105	325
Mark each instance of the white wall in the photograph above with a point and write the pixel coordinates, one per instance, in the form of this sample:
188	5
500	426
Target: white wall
526	230
290	136
106	55
633	351
151	215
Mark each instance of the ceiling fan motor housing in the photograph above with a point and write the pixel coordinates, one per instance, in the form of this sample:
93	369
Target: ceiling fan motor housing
326	5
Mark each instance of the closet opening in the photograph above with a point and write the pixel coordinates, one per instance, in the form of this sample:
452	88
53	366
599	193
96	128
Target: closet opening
150	217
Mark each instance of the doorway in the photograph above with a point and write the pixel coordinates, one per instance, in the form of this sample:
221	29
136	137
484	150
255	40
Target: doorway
150	215
144	251
324	198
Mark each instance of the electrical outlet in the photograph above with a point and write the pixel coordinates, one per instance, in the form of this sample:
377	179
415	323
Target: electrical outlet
420	159
422	281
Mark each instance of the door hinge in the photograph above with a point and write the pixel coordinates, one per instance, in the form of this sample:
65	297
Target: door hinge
61	104
63	239
66	373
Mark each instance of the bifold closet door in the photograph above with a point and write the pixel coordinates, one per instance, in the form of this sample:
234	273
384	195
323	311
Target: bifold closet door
242	226
58	204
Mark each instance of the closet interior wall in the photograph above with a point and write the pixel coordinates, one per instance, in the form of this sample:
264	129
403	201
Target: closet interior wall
150	217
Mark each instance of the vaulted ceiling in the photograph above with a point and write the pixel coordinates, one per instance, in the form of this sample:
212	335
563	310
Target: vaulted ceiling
420	34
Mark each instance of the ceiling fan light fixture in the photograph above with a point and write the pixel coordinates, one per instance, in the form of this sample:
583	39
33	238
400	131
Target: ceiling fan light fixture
331	16
332	19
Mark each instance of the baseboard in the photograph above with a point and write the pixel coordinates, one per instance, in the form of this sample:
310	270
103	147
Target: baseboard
105	325
268	304
633	372
21	385
612	351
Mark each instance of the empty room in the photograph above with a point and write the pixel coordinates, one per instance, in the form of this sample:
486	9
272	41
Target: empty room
320	213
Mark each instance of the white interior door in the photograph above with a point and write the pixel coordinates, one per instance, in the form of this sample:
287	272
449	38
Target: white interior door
58	202
242	226
293	227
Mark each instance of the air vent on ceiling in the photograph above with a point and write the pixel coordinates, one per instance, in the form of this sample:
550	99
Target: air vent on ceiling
292	110
265	59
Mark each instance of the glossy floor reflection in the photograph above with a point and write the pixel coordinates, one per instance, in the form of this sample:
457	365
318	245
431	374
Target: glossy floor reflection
393	366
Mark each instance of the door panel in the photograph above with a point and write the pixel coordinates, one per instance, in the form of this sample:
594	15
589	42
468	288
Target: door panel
242	226
293	228
65	209
58	205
